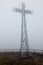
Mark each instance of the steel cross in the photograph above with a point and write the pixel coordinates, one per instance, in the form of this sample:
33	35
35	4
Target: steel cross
22	10
24	37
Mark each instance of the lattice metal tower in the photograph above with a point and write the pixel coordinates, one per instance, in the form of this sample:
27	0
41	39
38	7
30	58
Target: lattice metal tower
24	49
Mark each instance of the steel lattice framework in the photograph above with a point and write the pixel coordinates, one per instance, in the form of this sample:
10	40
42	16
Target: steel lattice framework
24	38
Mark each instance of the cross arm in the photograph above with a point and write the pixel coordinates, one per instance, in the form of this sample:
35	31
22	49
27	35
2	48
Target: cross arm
20	10
28	12
17	9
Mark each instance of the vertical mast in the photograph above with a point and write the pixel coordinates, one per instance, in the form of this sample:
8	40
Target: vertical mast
24	38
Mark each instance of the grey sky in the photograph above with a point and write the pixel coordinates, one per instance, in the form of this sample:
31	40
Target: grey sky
10	24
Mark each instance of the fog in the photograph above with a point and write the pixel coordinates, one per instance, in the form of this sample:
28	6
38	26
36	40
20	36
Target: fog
10	24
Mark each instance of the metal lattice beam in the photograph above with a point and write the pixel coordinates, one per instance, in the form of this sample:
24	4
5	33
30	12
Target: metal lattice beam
24	38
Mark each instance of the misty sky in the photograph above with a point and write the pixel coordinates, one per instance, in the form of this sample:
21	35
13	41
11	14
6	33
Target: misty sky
10	24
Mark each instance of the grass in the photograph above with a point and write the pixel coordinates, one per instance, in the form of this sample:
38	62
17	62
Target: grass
13	59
